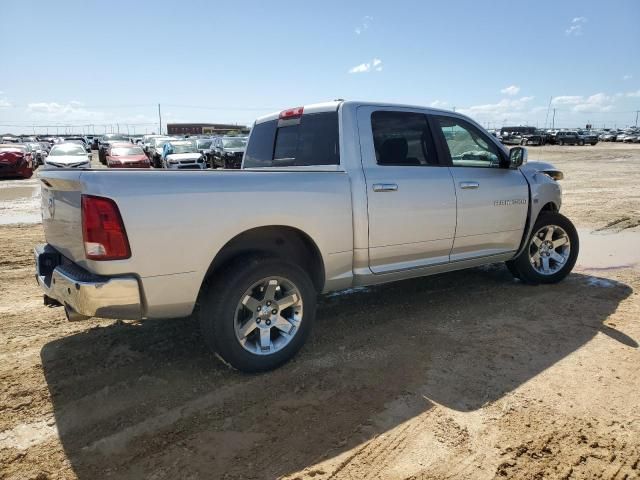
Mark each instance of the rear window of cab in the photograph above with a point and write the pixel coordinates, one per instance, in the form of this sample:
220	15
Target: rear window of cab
311	139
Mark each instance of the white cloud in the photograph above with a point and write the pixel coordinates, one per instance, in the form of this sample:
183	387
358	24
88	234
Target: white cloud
598	102
567	99
439	104
634	94
624	77
511	90
503	107
575	27
374	65
4	103
364	25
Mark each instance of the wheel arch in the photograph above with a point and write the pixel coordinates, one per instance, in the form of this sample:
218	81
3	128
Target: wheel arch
282	241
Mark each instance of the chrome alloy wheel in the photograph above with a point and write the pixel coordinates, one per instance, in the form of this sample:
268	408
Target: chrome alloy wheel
549	249
268	316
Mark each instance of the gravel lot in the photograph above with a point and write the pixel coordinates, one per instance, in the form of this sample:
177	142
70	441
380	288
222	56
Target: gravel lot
464	375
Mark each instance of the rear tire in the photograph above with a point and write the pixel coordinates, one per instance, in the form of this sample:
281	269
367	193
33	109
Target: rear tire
224	316
553	237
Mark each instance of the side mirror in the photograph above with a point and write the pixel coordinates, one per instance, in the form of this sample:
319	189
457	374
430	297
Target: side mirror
517	157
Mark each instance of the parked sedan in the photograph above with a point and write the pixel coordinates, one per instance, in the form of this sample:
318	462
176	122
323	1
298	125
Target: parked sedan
587	137
68	155
104	143
125	155
16	160
181	154
227	152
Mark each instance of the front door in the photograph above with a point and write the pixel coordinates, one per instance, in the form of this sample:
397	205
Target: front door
492	198
411	197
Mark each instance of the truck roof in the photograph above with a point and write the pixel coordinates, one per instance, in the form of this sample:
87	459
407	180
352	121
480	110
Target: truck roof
335	104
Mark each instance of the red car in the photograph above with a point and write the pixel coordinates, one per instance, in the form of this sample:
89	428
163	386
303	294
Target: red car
16	160
126	155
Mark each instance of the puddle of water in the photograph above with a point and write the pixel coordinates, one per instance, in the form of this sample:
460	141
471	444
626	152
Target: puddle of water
608	251
19	202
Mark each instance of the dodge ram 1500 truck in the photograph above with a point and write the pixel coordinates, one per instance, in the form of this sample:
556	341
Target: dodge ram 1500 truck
330	196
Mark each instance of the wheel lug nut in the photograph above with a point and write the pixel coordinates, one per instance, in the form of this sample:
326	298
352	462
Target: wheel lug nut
259	308
268	322
274	311
258	320
268	303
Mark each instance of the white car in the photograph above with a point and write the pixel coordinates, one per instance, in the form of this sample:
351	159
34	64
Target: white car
182	154
68	155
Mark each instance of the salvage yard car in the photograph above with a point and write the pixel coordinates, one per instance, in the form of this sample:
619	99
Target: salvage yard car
126	155
330	196
587	137
154	152
567	138
182	154
226	152
104	143
16	160
68	155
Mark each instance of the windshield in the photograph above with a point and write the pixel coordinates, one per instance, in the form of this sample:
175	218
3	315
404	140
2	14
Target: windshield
60	150
35	146
123	151
204	143
233	142
159	142
190	148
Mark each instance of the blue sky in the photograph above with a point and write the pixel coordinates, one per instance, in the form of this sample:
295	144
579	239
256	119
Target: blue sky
79	62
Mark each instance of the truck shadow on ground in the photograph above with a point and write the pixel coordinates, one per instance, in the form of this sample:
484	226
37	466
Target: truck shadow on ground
141	400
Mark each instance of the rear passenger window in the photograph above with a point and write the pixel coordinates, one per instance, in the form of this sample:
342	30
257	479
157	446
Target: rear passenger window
260	147
310	140
402	138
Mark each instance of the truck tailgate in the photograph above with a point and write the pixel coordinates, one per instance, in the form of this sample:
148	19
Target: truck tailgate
61	213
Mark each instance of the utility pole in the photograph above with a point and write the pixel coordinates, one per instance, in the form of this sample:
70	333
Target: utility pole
637	118
547	117
159	120
553	122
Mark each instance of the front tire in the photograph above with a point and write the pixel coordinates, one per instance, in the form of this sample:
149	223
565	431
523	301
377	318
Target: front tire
551	251
258	312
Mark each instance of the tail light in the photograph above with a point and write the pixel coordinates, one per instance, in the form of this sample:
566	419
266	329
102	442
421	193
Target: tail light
102	230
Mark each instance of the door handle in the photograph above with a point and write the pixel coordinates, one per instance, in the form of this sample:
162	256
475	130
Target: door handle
385	187
468	185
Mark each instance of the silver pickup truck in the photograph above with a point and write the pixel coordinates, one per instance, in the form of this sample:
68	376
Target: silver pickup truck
330	196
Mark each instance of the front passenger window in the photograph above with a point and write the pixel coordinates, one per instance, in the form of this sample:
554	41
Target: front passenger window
402	138
466	144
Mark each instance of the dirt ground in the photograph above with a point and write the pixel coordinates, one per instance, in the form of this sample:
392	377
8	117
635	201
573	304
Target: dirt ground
466	375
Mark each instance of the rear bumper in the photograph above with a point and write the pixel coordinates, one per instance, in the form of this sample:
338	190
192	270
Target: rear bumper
84	292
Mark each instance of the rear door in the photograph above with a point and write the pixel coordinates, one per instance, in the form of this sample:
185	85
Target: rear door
410	195
492	199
